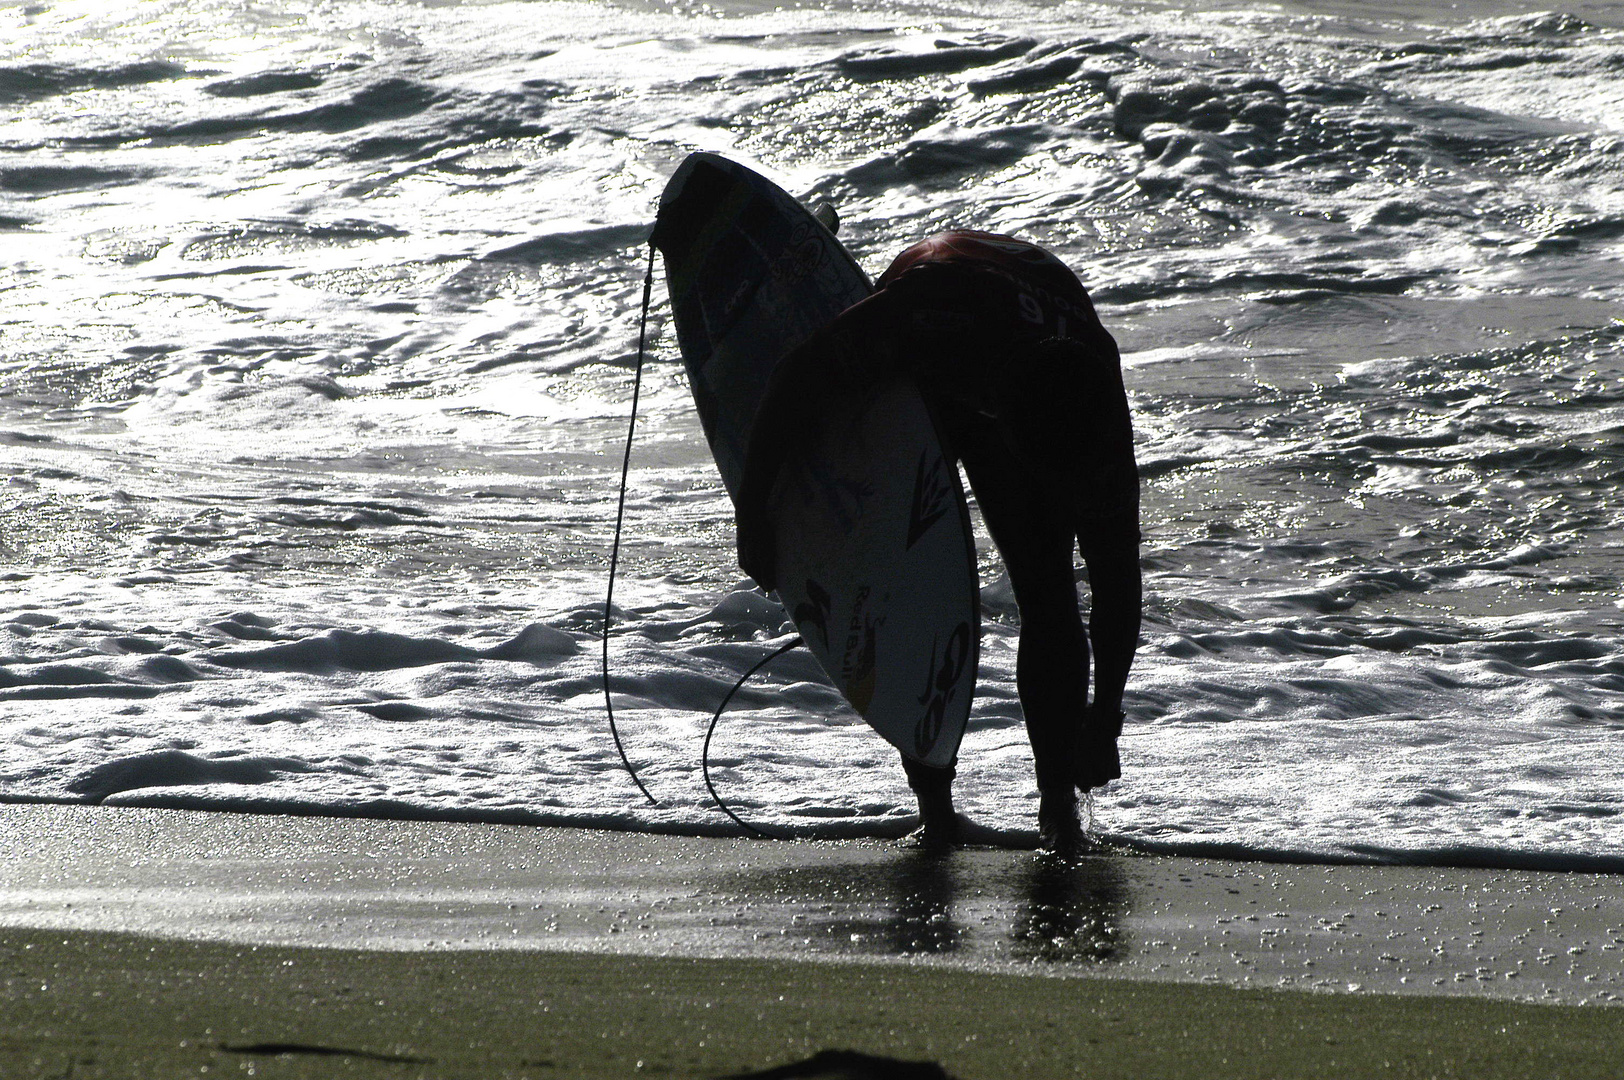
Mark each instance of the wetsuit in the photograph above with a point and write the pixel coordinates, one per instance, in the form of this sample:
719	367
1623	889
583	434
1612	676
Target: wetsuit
1026	388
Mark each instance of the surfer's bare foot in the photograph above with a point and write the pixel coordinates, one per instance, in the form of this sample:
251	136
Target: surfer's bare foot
1060	832
959	831
934	835
938	824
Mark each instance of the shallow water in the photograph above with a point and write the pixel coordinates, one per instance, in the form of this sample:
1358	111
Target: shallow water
316	337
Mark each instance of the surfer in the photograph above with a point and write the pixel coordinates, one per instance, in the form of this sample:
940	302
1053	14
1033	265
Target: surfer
1026	387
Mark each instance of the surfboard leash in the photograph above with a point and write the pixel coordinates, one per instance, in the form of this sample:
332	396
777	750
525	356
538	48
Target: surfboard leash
704	755
620	519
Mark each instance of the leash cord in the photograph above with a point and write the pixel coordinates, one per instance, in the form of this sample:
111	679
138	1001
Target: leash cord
704	756
620	518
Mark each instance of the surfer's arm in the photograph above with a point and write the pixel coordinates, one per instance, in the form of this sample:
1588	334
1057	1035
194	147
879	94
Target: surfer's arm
786	418
836	362
1110	549
1111	555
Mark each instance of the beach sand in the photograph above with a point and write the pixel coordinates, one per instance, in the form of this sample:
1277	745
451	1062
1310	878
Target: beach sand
158	943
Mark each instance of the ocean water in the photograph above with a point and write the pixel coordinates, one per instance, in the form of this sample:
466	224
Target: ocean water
317	329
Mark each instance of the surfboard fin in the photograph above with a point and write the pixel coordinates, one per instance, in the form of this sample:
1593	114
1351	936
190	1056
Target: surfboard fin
828	217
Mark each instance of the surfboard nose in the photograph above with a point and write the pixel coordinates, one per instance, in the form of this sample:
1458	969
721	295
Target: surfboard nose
693	191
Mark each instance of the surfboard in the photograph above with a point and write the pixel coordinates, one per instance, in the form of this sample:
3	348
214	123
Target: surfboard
876	560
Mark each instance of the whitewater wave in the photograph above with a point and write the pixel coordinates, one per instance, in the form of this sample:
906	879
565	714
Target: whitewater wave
316	357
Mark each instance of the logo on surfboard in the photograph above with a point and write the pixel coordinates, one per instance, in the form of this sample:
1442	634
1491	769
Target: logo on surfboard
814	611
941	686
932	496
800	257
858	673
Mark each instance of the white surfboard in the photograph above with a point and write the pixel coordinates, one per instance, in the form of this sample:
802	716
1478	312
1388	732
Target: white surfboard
876	561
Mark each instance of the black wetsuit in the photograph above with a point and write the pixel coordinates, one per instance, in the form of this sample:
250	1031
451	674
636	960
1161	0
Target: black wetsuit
1026	386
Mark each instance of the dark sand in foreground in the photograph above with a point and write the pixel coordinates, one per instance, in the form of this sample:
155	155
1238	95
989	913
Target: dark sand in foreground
89	1004
155	943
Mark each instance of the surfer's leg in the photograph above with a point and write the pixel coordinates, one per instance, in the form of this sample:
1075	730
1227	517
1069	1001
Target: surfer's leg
933	787
1036	541
1051	675
1051	666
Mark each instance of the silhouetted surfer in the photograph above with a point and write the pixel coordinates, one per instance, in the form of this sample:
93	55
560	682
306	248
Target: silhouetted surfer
1026	386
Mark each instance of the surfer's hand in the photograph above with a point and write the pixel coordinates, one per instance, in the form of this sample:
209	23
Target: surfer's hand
1105	720
1097	762
756	550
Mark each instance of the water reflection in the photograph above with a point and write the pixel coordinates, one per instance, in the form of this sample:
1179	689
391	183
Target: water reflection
922	893
971	904
1072	911
900	906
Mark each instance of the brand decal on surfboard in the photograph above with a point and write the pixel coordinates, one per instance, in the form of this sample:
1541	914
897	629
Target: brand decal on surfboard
941	686
857	666
814	611
802	258
932	496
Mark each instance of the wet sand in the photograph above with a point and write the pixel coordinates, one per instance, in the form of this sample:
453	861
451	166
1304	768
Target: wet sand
460	945
369	884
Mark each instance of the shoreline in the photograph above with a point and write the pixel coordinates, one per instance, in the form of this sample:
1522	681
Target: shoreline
148	942
1459	857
